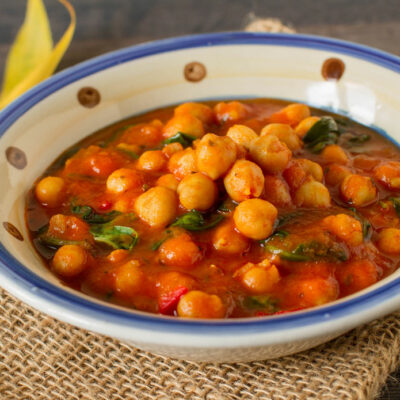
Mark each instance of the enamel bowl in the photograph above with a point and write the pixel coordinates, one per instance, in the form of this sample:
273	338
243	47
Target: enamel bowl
354	80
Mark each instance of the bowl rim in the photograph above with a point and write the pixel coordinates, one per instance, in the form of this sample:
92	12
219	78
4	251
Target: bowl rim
26	285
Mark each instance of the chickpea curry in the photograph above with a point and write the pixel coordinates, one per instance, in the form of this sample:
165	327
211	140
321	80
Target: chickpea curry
222	210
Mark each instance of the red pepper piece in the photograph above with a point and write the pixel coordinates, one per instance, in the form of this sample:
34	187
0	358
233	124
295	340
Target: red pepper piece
167	302
105	205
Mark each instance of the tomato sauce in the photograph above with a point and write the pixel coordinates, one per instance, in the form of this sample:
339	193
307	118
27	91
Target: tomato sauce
224	258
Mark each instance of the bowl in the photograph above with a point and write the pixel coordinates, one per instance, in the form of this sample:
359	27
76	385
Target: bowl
357	81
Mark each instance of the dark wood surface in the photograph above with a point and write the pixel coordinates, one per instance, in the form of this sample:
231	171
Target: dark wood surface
105	25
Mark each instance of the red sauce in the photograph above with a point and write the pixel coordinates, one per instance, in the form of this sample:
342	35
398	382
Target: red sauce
305	260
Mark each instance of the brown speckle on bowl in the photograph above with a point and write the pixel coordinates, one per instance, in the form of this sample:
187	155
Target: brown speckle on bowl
13	230
195	71
16	157
333	69
89	97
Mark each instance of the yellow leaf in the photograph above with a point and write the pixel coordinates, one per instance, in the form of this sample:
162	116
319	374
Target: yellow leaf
32	57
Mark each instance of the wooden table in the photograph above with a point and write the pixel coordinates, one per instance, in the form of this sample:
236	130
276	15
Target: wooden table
105	25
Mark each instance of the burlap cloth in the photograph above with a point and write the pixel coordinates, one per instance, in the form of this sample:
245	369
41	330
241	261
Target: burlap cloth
43	359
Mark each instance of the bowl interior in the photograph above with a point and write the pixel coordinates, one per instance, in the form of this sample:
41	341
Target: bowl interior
45	122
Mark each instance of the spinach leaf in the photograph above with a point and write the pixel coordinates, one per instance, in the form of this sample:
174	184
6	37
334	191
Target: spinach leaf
115	236
53	241
358	139
128	152
324	132
286	255
311	251
156	245
183	138
114	136
261	302
396	204
284	219
366	225
91	216
194	221
227	206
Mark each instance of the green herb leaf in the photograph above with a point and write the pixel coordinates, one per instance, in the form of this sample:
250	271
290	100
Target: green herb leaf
285	219
53	241
91	216
115	236
115	135
358	139
366	225
194	221
261	302
156	245
323	133
286	255
183	138
396	204
128	153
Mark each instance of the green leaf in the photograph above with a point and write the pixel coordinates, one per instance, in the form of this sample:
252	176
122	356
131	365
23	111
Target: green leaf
53	241
286	255
366	225
358	139
311	251
183	138
115	236
286	218
323	133
128	153
261	302
396	204
91	216
194	221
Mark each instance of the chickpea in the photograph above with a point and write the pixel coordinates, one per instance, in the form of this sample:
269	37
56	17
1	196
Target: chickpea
292	114
312	194
50	191
227	240
335	154
389	175
356	275
169	281
124	179
260	279
198	304
358	190
117	256
255	218
276	191
197	191
126	201
389	241
232	111
169	181
344	227
284	133
310	291
153	160
180	251
183	163
366	163
305	125
270	153
335	174
171	149
244	180
68	227
201	111
215	155
242	135
157	206
301	169
129	279
70	260
185	123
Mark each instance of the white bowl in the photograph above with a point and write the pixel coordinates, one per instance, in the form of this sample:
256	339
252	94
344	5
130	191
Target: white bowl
46	120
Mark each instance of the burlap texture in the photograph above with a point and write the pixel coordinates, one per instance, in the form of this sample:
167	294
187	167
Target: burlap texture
43	359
